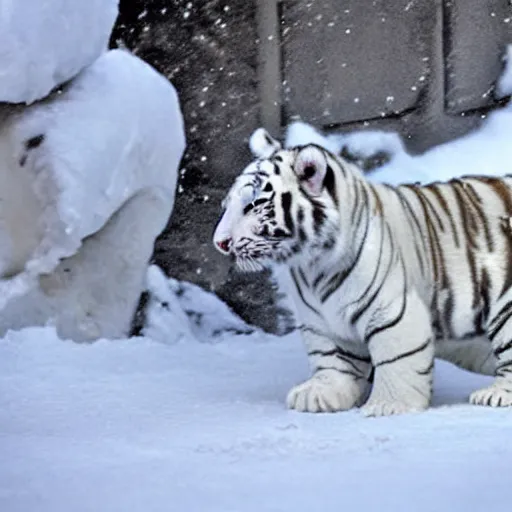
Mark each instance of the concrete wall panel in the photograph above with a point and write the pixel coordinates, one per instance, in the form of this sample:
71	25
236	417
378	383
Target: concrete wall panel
356	59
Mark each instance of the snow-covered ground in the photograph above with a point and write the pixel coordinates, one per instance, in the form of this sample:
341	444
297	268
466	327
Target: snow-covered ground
191	416
144	426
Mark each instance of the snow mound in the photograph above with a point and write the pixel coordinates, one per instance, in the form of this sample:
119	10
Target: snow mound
116	130
46	43
178	310
112	138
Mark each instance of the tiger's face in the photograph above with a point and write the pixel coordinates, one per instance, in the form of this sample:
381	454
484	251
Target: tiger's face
278	208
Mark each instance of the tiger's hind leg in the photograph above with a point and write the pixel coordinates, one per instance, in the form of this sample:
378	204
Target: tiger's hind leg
474	354
339	381
499	393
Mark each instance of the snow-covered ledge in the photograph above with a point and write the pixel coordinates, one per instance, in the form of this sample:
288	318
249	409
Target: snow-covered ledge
44	43
87	182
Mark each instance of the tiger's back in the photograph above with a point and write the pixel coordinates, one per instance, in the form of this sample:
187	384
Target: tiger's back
456	239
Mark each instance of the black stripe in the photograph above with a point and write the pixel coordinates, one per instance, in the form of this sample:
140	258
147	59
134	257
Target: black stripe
326	353
303	276
412	352
317	280
286	202
447	313
468	221
507	278
501	319
439	271
378	201
502	190
330	184
299	291
363	208
483	312
476	202
34	142
391	323
355	205
358	313
427	370
336	353
409	211
318	215
349	361
433	210
337	280
300	215
503	348
438	194
342	351
345	353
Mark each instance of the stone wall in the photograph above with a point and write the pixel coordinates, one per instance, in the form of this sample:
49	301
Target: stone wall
426	68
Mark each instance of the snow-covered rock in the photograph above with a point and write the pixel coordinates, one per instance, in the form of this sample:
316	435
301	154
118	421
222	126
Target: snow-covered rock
44	43
87	182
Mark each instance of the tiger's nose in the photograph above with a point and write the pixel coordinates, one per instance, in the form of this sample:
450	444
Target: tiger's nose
224	245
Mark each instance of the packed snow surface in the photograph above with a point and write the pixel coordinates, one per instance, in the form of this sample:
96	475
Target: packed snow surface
142	425
191	416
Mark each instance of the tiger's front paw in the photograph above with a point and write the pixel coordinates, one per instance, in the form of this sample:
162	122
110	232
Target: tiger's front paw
398	394
375	408
326	391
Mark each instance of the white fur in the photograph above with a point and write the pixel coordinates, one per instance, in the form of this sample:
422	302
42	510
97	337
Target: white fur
393	332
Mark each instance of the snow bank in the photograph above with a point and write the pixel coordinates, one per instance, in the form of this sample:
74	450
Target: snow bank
504	85
44	43
180	311
69	163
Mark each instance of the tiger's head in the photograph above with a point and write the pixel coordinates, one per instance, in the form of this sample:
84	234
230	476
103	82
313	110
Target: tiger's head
283	205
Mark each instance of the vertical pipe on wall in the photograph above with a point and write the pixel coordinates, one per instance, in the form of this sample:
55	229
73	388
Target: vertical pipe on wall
269	65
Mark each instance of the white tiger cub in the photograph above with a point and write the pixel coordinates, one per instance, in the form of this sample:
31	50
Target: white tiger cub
385	278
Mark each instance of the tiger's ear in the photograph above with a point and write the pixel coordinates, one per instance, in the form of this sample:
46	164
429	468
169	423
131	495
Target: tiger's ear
262	144
310	167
